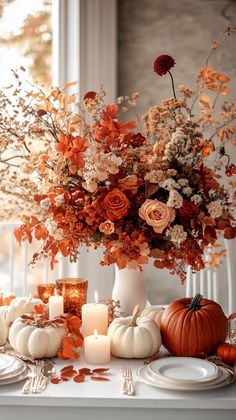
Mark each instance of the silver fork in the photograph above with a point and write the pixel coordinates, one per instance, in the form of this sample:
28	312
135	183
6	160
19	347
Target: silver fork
30	379
128	387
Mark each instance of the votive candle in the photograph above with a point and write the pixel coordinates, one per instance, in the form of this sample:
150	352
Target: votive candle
94	317
97	349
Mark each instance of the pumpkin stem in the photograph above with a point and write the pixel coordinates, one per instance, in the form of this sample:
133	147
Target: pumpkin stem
38	322
194	305
135	315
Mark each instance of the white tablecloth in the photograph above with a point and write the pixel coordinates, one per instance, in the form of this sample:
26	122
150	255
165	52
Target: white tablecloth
104	400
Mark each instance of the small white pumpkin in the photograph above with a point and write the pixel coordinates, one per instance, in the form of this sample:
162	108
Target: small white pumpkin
154	314
8	314
4	328
133	337
34	340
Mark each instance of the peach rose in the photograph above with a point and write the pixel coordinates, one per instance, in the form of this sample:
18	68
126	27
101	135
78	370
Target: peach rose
130	183
156	214
116	204
107	227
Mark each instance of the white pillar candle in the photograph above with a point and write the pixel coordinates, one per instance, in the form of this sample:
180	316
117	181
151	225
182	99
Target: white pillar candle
97	349
94	317
55	306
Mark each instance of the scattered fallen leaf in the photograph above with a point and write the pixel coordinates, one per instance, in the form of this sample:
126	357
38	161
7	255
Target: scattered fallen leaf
99	378
100	370
79	378
65	378
85	371
55	380
68	367
69	373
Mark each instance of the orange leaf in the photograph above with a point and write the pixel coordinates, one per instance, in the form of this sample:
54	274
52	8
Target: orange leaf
67	348
55	380
69	373
100	370
230	233
74	324
99	378
68	367
78	341
39	309
85	371
79	378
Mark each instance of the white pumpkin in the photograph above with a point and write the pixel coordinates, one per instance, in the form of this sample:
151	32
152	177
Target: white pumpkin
8	314
154	314
133	337
20	306
35	341
4	328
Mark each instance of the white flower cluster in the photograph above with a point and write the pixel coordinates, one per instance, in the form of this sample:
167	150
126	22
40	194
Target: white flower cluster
196	199
215	209
175	200
97	168
53	230
45	204
181	148
177	234
59	200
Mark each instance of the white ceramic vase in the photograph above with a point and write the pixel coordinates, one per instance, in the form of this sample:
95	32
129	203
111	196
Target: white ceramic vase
130	289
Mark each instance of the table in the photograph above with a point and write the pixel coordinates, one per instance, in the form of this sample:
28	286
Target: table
103	400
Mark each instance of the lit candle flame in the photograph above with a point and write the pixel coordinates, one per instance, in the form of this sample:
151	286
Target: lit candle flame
96	297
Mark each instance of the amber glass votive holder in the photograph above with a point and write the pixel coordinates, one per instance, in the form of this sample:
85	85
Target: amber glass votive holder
74	292
45	290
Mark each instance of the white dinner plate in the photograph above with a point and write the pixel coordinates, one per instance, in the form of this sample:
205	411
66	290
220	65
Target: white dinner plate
6	361
17	378
184	370
14	373
224	379
14	369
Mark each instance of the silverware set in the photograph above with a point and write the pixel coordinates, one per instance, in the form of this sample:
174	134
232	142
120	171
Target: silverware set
127	386
39	377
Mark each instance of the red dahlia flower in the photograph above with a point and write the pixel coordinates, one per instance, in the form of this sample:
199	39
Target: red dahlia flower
163	64
188	209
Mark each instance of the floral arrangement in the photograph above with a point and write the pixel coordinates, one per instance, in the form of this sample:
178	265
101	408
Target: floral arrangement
88	177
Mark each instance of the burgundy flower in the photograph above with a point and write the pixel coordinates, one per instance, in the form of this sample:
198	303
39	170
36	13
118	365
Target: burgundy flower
188	209
163	64
90	95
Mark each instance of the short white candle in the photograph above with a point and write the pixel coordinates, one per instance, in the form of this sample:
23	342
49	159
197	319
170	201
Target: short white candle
97	349
94	317
55	306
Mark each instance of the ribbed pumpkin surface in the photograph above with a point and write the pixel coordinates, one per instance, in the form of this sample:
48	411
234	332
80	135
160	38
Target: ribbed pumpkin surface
227	352
193	326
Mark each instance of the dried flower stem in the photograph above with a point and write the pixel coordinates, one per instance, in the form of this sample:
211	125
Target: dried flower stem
173	85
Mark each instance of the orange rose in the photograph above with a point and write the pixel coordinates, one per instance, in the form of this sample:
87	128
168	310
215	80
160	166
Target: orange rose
116	204
130	183
107	227
156	214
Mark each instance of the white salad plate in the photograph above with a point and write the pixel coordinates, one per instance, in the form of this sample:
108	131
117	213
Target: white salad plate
15	379
13	373
225	378
183	370
16	368
5	361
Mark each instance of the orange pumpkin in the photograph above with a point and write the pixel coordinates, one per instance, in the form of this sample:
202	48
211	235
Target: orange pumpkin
191	326
227	352
6	298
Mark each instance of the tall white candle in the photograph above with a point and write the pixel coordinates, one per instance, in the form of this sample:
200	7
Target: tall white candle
55	306
94	317
97	349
